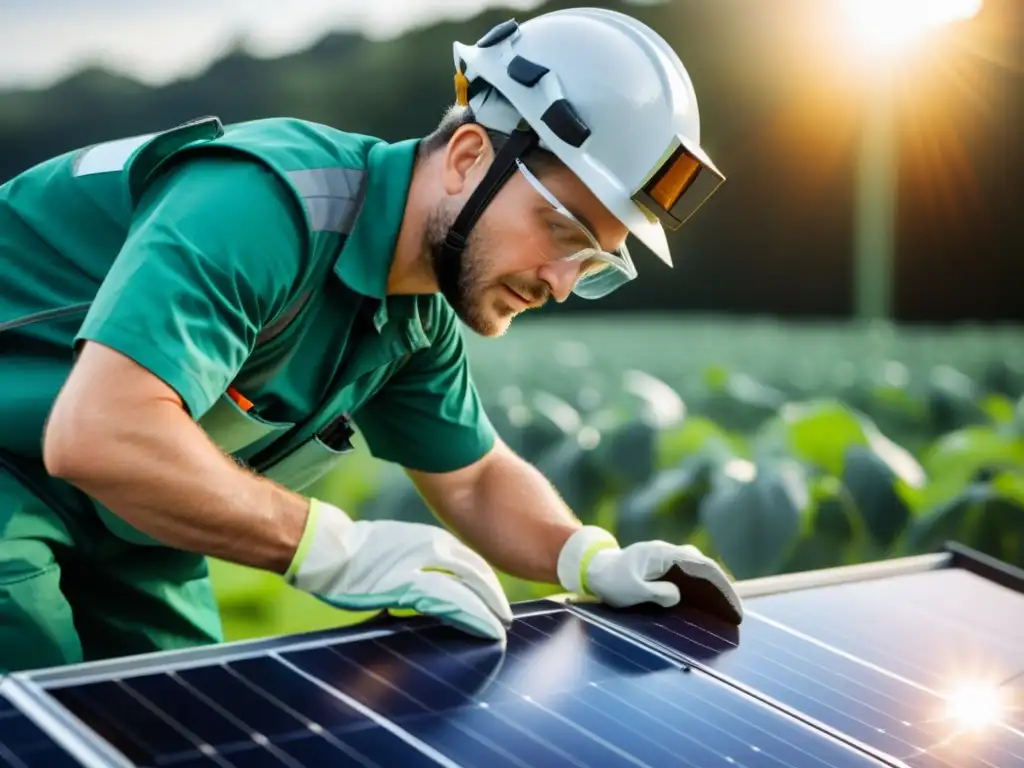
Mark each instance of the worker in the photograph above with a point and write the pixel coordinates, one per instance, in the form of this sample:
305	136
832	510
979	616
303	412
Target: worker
195	323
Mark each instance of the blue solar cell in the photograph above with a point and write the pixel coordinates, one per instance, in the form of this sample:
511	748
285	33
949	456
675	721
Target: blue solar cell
140	732
23	744
294	694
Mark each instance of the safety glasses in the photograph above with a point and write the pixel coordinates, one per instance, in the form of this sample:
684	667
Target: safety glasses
565	238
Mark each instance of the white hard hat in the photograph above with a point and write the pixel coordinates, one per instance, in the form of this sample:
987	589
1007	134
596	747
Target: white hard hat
606	95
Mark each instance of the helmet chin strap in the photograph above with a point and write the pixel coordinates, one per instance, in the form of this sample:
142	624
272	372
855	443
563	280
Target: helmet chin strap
519	143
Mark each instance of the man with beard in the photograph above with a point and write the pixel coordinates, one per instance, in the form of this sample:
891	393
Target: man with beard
194	323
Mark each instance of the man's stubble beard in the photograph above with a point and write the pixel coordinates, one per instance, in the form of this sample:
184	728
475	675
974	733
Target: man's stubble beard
459	274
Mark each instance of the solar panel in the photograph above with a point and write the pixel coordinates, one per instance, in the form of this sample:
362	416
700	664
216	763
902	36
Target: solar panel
849	667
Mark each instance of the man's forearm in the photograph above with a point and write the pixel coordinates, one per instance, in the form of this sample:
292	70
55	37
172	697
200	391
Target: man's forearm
514	518
161	473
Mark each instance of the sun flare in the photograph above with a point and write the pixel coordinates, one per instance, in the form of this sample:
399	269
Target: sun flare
890	26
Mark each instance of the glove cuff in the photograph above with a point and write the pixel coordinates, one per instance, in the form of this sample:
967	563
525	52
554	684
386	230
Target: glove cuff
576	554
321	516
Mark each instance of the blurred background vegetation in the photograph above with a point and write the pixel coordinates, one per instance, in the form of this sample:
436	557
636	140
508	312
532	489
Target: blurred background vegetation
833	372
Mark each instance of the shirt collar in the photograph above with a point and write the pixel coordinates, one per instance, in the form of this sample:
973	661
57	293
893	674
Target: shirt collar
364	261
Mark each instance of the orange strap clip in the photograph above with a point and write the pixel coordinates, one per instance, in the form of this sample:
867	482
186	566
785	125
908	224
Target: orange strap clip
240	400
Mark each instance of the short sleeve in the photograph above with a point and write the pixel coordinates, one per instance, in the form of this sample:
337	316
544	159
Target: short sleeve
214	252
429	415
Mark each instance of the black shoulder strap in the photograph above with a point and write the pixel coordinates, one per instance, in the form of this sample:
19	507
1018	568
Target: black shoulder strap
282	321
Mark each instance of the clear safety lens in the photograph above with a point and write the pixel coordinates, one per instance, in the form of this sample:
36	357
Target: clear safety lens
598	283
565	238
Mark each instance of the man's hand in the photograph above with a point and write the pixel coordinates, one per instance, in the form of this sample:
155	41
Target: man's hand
591	562
368	565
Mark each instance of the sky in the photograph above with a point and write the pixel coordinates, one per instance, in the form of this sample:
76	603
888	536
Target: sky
156	41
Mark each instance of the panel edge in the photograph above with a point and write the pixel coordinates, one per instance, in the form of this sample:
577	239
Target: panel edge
67	731
843	574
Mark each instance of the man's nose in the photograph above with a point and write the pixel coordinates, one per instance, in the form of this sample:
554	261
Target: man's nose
561	277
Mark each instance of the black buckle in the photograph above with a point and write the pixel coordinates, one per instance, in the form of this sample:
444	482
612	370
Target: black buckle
338	434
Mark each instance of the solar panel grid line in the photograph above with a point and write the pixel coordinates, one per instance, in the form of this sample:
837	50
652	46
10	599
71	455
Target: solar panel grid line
257	737
384	723
689	737
833	635
199	744
760	695
311	725
10	759
839	652
591	734
680	761
711	725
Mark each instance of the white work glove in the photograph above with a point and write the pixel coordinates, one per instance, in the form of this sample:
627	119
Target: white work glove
370	565
591	563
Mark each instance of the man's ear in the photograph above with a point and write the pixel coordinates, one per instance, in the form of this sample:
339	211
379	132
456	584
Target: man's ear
467	156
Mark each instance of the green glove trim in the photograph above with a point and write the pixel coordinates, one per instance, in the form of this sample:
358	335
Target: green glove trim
588	555
306	541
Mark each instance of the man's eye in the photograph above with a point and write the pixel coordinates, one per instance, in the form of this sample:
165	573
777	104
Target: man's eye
567	234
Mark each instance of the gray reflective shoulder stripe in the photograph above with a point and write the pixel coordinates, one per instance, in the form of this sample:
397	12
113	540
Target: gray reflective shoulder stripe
328	182
332	196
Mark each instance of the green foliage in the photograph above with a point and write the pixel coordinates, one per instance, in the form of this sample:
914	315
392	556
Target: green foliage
708	433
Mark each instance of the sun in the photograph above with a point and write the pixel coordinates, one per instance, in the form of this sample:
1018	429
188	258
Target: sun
889	27
973	707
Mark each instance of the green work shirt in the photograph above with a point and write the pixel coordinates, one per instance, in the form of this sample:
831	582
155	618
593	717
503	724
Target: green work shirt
188	280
